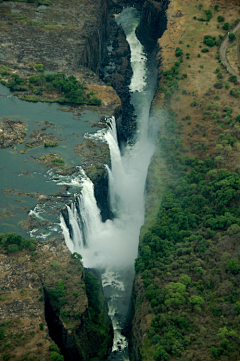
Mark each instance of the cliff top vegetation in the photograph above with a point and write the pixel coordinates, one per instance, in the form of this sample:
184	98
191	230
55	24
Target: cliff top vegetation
189	256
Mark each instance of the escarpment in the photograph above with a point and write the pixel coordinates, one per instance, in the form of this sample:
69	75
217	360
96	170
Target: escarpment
61	37
45	306
153	22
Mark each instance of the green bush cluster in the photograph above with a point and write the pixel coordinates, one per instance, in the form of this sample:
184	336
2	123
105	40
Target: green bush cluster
170	79
211	41
220	19
231	36
208	14
57	295
11	242
69	88
178	52
234	92
226	26
233	79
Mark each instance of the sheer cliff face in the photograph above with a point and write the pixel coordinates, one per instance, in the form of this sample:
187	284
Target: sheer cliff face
153	22
62	36
43	300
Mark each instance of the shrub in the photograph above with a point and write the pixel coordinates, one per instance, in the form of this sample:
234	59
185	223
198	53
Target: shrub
209	40
208	14
178	52
220	19
234	92
160	354
204	50
231	36
6	357
58	162
54	347
39	67
232	265
226	26
94	101
218	85
233	79
34	79
196	302
76	255
56	357
215	351
227	85
13	248
238	118
237	307
2	333
13	242
50	143
227	109
57	294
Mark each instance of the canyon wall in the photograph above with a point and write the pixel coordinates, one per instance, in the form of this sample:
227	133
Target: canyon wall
46	301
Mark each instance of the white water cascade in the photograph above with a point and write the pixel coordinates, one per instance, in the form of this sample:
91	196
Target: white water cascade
112	246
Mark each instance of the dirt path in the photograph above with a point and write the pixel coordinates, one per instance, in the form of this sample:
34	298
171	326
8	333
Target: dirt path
222	52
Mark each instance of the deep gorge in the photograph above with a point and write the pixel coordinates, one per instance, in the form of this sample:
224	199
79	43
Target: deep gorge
127	127
72	172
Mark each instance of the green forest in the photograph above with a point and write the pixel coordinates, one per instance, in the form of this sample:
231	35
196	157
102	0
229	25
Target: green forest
189	262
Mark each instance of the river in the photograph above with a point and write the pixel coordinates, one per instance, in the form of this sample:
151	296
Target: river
22	176
112	246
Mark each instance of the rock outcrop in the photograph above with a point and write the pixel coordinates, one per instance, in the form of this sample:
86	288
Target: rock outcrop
153	22
117	71
61	36
44	301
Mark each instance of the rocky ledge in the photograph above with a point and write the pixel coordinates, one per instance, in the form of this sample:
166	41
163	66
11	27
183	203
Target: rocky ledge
44	303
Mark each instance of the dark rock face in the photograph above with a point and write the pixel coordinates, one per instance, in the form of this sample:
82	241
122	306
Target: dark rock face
101	195
91	57
153	22
83	343
61	37
69	314
35	307
117	71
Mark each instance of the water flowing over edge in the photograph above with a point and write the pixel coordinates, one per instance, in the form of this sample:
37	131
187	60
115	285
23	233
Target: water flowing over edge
112	246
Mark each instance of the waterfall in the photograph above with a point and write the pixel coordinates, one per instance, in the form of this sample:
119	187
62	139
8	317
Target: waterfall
112	246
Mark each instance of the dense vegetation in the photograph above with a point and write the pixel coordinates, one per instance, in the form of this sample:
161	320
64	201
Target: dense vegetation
190	266
65	89
11	242
189	256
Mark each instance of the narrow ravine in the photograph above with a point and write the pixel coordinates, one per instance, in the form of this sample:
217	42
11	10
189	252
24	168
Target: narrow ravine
112	246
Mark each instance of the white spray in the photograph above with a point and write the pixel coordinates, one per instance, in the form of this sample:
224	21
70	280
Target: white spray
112	246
